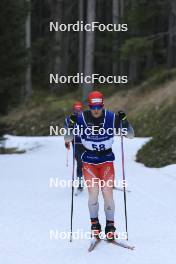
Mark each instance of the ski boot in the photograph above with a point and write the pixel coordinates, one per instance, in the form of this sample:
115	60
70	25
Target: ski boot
110	231
95	228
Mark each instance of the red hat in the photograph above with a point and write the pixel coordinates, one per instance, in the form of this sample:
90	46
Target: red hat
77	106
96	99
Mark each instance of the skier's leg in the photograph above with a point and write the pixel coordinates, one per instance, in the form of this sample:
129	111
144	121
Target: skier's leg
107	177
90	172
109	205
107	173
93	203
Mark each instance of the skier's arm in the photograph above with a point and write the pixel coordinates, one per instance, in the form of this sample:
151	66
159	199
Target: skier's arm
121	117
70	125
66	122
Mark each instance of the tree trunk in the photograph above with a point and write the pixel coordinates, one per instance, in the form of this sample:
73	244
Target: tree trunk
121	18
28	77
66	53
56	14
122	7
171	59
81	38
115	13
89	48
133	60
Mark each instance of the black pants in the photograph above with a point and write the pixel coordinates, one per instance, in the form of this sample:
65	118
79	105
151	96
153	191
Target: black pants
79	150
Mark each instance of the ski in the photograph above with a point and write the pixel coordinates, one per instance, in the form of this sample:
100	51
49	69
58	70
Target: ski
94	242
120	244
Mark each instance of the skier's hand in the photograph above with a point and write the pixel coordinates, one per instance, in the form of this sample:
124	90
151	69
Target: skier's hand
122	115
73	118
67	145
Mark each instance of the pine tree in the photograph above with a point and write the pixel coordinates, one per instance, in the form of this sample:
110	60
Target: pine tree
12	52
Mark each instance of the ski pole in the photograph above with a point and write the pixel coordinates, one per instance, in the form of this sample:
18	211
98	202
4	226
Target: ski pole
73	177
123	176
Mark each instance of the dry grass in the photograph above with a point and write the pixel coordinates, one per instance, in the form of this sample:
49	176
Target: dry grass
135	100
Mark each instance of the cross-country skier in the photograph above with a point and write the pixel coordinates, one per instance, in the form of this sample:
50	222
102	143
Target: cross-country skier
79	149
98	157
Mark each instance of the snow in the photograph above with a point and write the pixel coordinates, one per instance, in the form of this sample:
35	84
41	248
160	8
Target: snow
31	209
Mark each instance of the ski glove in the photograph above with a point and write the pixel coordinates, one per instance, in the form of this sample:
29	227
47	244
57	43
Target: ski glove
122	115
72	119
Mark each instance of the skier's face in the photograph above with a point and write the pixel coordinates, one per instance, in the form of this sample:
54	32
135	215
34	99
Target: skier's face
97	112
